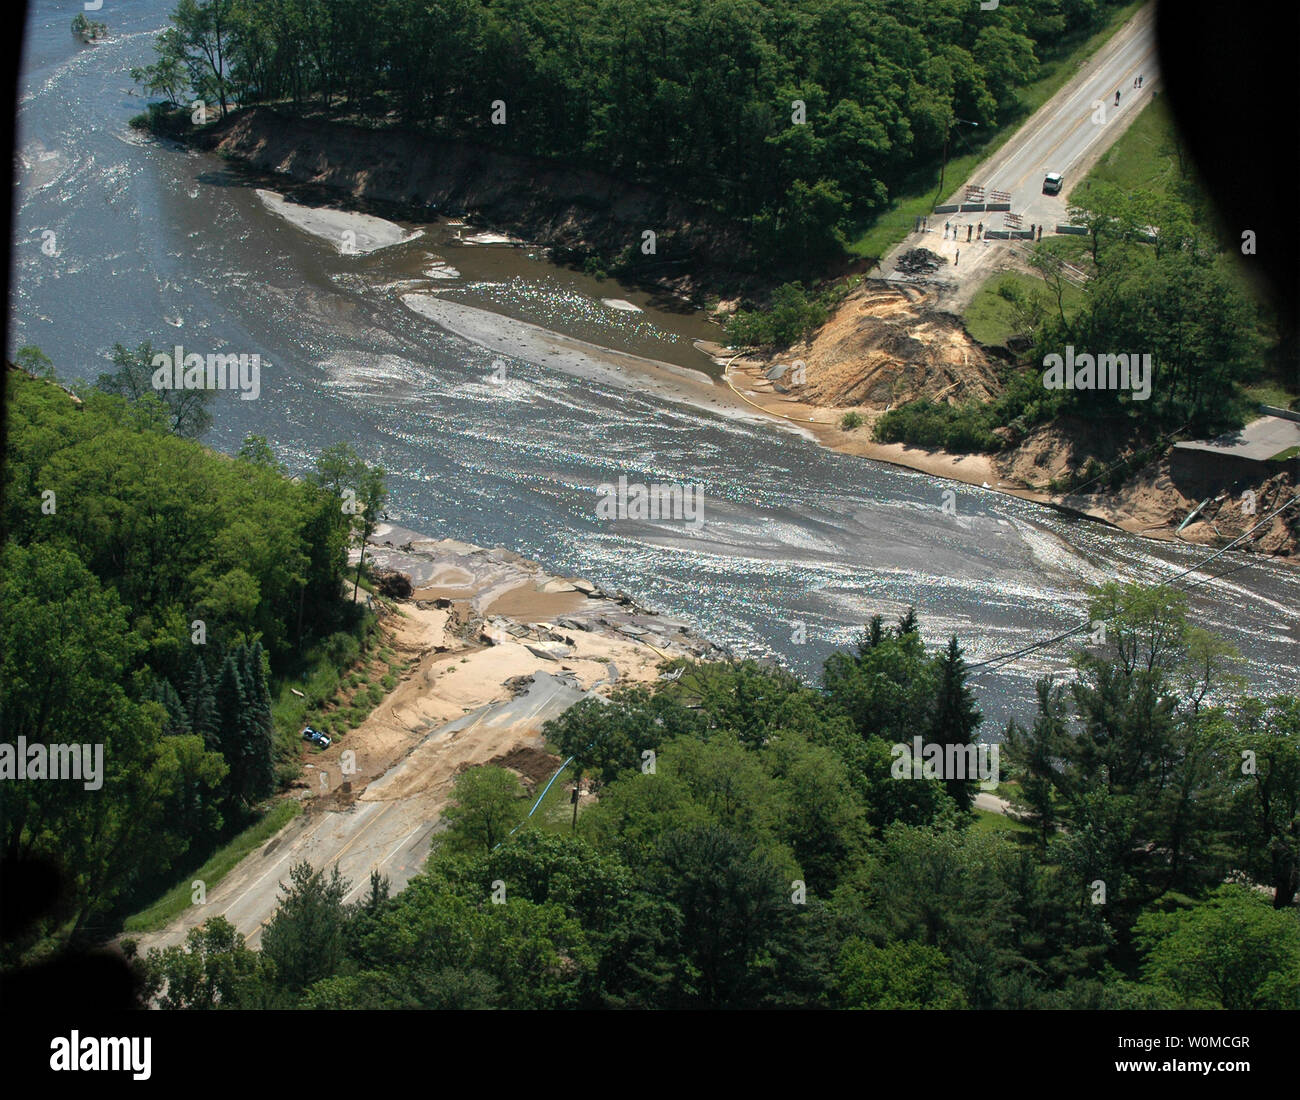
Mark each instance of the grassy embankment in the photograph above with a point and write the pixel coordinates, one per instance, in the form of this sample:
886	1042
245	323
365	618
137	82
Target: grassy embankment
1145	157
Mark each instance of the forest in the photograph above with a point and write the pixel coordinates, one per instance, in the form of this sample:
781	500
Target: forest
799	118
154	592
750	844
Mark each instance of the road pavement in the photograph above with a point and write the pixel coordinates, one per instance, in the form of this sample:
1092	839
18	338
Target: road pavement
1066	135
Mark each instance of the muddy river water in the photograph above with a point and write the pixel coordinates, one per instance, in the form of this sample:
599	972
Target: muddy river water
800	545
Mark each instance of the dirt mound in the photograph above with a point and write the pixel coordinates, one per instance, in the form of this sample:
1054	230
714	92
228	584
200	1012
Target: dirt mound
533	766
1056	450
886	345
393	584
920	261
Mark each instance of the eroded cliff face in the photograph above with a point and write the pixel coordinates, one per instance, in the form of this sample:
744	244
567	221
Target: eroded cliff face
560	206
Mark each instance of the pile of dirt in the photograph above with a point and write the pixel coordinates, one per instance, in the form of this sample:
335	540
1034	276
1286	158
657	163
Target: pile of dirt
533	766
393	584
886	345
920	261
1054	451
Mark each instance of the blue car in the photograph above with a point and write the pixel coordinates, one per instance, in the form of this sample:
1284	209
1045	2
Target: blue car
316	737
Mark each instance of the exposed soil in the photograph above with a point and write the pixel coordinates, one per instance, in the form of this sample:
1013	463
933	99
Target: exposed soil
886	345
563	207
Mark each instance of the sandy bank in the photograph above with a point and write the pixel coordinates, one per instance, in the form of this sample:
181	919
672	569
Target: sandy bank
350	233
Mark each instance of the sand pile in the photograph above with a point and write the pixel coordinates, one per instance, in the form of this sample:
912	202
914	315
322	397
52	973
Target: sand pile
886	345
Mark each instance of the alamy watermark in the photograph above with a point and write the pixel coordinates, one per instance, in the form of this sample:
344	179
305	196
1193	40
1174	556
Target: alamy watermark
41	761
675	500
178	371
932	760
1104	372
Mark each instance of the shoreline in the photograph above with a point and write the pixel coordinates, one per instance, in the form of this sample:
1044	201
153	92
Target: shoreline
754	398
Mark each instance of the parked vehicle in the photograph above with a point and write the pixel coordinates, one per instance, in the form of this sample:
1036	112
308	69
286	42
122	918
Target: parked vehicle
316	737
1052	183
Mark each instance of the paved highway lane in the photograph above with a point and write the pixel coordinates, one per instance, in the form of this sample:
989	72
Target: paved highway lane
1067	133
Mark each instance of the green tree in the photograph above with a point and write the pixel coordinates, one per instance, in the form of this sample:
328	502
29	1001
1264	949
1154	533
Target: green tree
186	409
955	718
486	803
897	976
304	939
1233	951
213	969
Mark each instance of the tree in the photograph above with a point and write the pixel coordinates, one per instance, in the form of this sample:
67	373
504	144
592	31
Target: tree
34	361
259	746
486	803
955	718
166	76
1266	752
1233	951
719	907
65	652
257	450
371	497
203	31
213	969
201	706
897	976
232	729
186	409
305	937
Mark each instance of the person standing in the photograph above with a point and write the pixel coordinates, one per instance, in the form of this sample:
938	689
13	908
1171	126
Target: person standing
1116	97
958	259
946	227
1040	232
979	232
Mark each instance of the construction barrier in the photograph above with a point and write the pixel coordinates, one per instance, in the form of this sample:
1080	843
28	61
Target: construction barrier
945	209
994	206
971	207
1077	230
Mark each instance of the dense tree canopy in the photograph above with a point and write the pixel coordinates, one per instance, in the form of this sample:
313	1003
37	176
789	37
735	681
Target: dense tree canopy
803	115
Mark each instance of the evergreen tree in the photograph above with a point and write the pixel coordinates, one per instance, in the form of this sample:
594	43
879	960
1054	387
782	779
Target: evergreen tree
201	705
232	719
907	623
259	742
955	718
872	636
178	720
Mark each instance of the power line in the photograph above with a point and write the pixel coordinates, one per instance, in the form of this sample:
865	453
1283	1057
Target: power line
1003	658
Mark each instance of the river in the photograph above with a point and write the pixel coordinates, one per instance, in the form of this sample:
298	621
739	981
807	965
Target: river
155	241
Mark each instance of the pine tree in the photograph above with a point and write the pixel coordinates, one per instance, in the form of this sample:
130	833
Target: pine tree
201	704
260	728
232	728
872	636
955	719
907	623
178	720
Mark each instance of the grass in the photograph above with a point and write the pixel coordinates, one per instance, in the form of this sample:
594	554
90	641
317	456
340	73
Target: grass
989	316
1144	158
1284	456
986	821
1269	393
896	222
173	903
